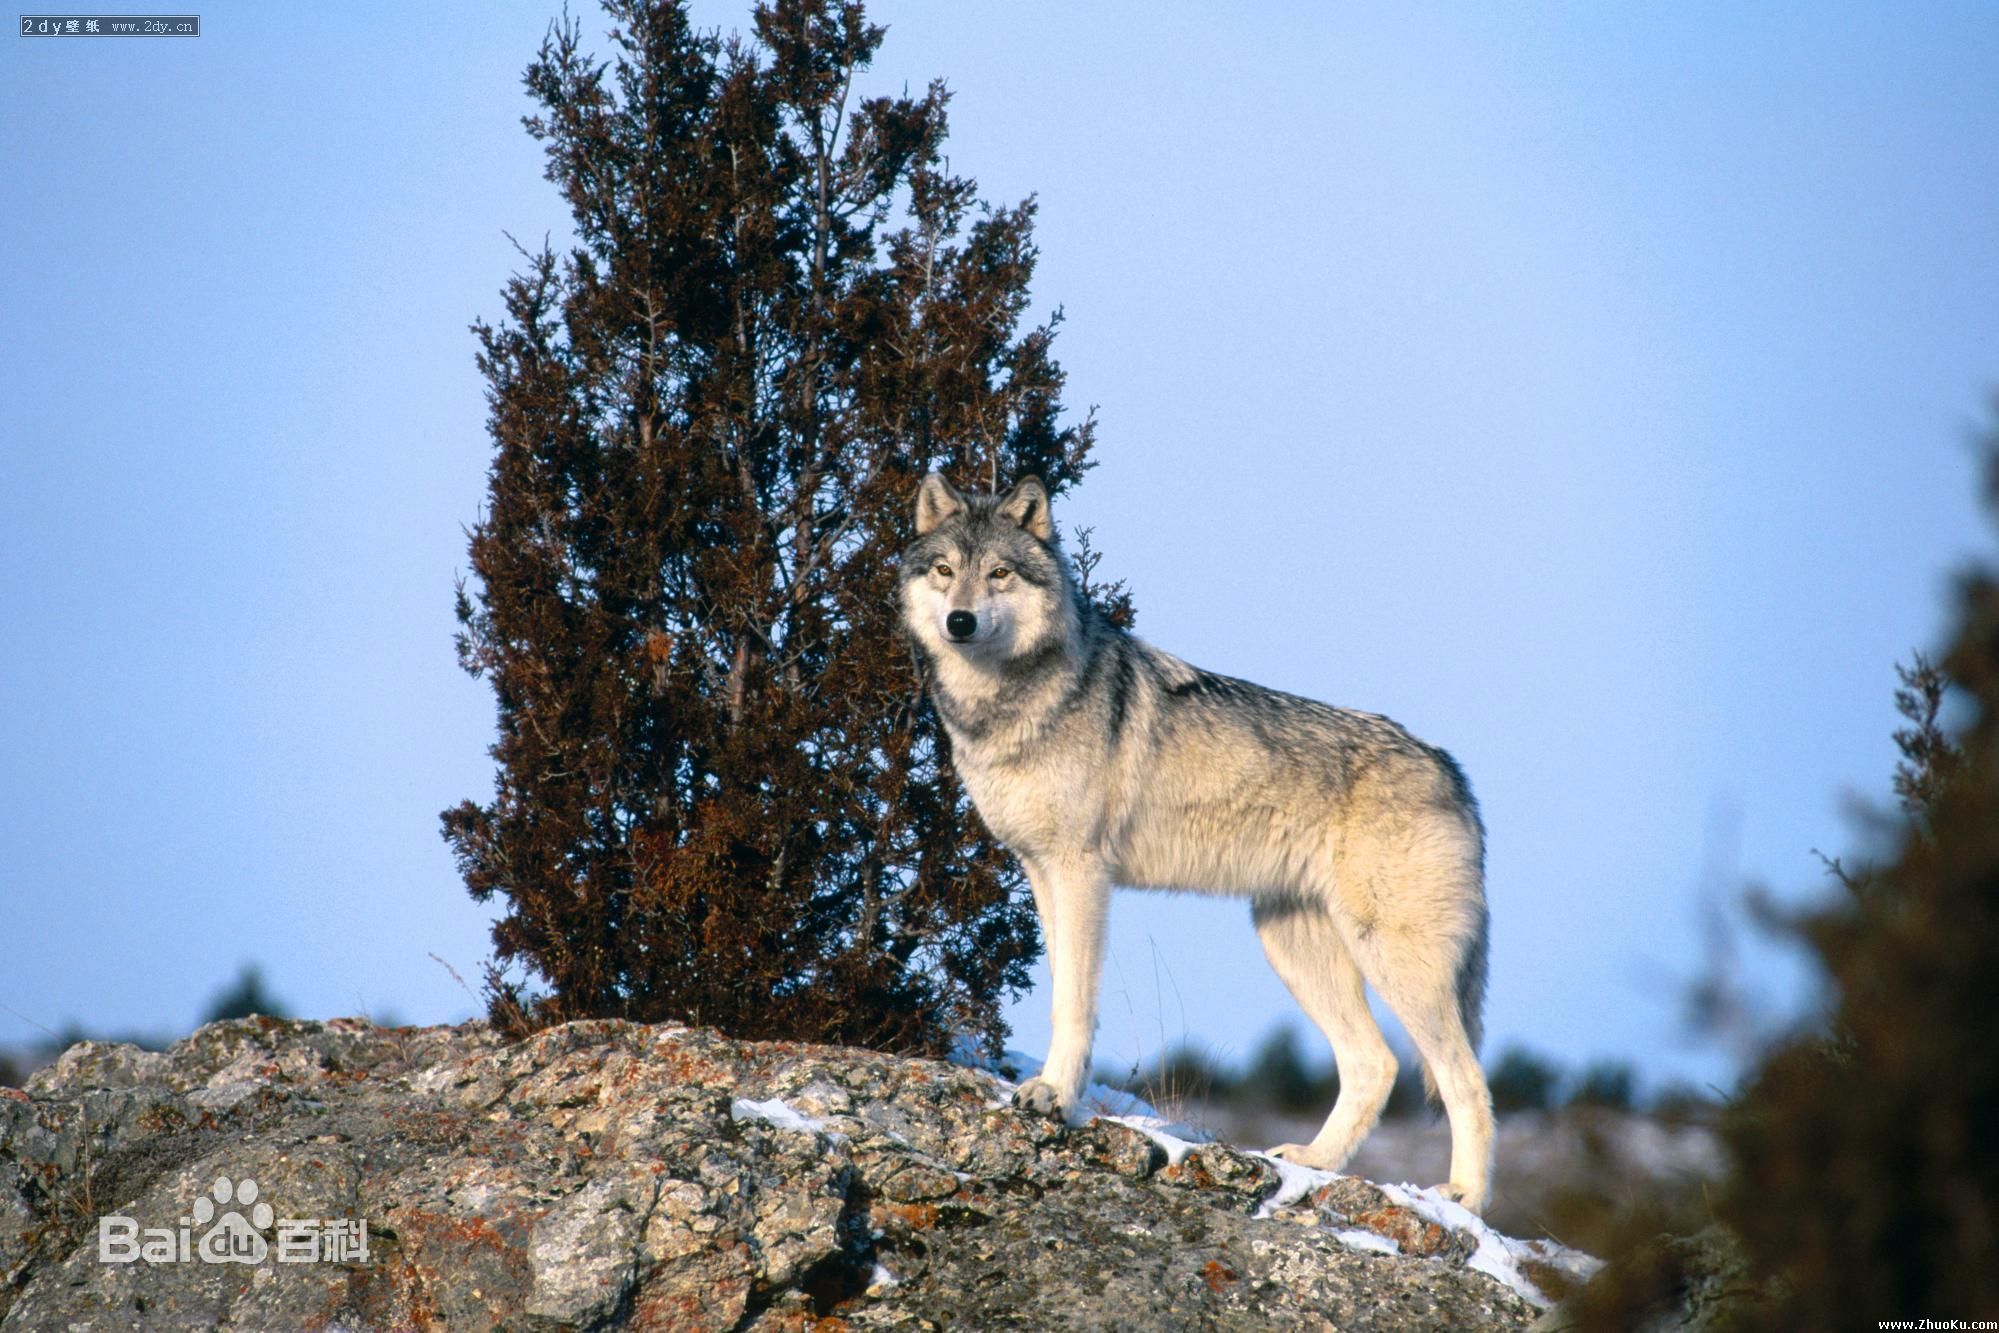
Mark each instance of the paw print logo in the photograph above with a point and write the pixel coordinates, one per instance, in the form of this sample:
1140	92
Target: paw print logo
233	1239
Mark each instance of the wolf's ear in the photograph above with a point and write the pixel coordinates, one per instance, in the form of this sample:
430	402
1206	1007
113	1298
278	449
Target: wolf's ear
936	502
1027	505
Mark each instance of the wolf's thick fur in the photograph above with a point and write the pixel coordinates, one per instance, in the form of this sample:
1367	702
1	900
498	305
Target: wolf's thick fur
1098	760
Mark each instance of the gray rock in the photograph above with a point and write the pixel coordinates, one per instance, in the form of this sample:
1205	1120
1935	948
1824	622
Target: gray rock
100	1064
610	1174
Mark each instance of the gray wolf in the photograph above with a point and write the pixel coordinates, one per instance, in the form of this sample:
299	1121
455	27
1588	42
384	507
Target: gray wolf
1097	759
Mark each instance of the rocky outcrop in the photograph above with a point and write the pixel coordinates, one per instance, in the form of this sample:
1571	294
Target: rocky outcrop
266	1174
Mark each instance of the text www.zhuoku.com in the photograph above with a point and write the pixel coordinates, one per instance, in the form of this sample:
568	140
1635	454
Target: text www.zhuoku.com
1936	1323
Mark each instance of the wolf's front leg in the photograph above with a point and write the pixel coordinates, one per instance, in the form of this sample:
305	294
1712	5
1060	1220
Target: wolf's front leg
1078	897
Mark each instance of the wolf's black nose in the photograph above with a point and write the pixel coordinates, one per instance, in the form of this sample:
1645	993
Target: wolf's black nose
961	624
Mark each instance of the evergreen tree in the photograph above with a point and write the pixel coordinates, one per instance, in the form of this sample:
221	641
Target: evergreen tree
721	797
246	996
1277	1075
1522	1081
1867	1175
1865	1180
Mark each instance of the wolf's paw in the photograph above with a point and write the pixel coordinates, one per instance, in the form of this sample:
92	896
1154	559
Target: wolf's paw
1042	1098
1472	1202
1301	1154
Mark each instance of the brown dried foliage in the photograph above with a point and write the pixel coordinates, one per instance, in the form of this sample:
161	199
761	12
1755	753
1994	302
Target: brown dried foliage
721	796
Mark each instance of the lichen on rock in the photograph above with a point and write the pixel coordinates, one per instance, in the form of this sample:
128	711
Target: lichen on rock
607	1174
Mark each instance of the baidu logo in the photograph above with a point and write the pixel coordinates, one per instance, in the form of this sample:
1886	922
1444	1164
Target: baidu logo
232	1224
236	1239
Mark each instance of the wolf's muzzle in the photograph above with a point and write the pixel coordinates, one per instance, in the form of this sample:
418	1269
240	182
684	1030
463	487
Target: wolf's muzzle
961	624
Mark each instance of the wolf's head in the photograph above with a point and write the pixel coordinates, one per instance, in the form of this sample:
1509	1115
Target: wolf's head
984	579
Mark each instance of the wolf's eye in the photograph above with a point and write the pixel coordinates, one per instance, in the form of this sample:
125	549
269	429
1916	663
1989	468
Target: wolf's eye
1002	572
942	571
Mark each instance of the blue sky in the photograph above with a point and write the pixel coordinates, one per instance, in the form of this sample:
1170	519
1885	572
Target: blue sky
1587	386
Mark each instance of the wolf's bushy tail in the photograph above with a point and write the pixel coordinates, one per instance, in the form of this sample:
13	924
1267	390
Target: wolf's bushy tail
1471	993
1471	981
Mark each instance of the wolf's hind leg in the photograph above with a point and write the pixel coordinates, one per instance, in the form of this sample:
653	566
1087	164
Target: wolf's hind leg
1305	947
1416	972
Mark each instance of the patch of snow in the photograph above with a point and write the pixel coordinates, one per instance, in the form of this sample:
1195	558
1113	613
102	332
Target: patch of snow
1574	1263
1011	1067
777	1112
1294	1182
1102	1099
1177	1140
881	1279
1498	1257
1355	1238
1099	1099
